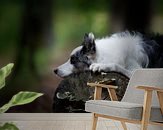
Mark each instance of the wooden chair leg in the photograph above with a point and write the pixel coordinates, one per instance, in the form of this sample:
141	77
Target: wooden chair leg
124	125
94	121
113	97
160	98
112	94
146	110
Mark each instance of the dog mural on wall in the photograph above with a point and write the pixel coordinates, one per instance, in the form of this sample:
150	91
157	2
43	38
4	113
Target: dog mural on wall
121	52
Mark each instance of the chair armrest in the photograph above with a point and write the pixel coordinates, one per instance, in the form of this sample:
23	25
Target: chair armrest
102	85
98	90
148	91
147	88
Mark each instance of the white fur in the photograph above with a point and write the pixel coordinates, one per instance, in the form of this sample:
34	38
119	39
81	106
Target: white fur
65	69
122	52
76	49
91	36
119	53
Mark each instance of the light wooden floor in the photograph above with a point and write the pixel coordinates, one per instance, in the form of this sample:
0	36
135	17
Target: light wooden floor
58	121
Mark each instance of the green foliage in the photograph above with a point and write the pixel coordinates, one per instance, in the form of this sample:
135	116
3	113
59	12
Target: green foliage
20	99
8	126
77	24
10	15
4	72
82	5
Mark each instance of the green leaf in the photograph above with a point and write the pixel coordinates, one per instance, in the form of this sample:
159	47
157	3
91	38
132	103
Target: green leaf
4	72
20	99
8	126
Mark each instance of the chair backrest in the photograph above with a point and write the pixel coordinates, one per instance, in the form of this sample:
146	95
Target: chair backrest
147	77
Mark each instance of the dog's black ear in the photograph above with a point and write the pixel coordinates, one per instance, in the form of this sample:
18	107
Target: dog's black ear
86	36
89	38
89	43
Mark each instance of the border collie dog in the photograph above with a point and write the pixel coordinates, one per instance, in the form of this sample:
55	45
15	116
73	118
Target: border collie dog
121	52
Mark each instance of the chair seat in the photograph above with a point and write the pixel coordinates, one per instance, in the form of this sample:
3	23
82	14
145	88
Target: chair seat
125	110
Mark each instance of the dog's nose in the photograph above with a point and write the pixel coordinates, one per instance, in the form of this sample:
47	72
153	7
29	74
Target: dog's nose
56	71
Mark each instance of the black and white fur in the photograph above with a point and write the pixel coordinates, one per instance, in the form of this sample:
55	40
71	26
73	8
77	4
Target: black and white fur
121	52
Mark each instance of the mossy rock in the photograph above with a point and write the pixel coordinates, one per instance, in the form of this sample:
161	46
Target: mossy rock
73	92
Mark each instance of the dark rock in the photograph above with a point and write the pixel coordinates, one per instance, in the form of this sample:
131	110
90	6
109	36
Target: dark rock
73	92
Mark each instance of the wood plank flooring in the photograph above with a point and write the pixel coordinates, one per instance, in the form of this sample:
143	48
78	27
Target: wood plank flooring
58	121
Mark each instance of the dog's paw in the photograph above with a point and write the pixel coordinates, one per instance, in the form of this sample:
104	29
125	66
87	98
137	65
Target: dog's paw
97	67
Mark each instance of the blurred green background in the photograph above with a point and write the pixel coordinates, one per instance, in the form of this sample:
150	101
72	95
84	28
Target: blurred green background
38	35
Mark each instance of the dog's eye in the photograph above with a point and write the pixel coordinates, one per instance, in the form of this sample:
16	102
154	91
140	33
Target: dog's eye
73	59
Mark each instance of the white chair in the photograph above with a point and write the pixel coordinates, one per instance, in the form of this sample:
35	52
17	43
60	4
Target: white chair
141	104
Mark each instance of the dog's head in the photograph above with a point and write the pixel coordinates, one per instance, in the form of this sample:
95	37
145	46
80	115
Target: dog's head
80	59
